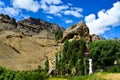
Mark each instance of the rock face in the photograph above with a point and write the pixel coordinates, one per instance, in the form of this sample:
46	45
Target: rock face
30	26
95	37
7	23
77	31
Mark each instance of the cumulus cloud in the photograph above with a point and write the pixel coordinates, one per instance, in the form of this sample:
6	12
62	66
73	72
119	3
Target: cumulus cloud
54	7
106	18
11	11
30	5
8	10
68	21
90	18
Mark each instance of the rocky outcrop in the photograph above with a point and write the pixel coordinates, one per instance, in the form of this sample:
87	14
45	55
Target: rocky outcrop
77	31
29	27
36	26
7	23
95	37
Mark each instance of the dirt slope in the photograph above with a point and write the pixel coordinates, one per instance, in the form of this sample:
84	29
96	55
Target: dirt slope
20	52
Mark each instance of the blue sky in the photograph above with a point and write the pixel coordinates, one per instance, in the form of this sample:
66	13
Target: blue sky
101	16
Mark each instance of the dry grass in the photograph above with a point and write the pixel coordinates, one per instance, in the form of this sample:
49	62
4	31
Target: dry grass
95	76
112	76
25	53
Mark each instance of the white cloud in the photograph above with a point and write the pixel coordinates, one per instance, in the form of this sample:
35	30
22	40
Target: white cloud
51	7
30	5
49	17
56	10
11	11
56	7
90	18
68	21
1	3
76	9
106	18
74	13
69	4
8	10
50	1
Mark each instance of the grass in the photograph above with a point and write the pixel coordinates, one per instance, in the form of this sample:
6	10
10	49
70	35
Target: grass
95	76
55	78
87	77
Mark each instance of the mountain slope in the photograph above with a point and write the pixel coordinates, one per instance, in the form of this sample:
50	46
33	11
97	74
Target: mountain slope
25	44
20	52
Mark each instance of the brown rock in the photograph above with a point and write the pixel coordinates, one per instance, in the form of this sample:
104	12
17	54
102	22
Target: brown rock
29	27
7	23
38	27
77	31
95	37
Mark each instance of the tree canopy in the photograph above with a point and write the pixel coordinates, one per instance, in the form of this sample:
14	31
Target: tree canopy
70	60
104	53
58	34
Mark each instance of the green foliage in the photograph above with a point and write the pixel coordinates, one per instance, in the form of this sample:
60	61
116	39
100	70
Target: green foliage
86	77
104	53
70	60
113	69
47	65
58	34
6	74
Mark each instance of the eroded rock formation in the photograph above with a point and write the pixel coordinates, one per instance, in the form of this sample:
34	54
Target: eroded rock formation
77	31
29	27
7	23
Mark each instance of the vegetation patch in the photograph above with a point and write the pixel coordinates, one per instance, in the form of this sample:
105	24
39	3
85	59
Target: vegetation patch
6	74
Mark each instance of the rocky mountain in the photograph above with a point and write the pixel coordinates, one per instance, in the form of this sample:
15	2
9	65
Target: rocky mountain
25	44
19	52
37	27
29	27
79	30
7	23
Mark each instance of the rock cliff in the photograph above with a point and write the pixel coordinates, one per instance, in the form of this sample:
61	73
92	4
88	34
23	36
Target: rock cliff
29	27
36	26
77	31
7	23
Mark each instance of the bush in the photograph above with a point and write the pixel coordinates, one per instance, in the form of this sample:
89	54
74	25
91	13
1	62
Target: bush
6	74
115	68
104	53
58	35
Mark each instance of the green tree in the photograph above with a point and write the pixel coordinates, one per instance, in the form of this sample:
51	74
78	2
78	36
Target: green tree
47	65
72	57
58	35
104	53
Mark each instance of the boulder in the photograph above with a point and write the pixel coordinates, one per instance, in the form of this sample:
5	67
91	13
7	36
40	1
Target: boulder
95	37
77	31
